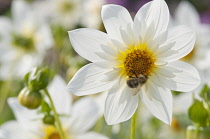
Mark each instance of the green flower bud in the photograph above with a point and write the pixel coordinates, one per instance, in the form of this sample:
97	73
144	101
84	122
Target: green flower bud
48	119
30	99
37	79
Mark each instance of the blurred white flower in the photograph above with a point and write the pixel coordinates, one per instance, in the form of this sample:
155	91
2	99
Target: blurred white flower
61	12
76	120
24	40
91	16
143	49
186	14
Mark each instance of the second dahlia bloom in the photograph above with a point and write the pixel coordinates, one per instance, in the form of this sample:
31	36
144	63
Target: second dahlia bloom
134	58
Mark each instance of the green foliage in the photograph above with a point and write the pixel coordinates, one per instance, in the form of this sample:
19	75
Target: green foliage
45	108
198	113
24	42
205	94
195	132
59	33
37	79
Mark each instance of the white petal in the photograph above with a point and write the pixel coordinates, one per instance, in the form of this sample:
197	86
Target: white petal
44	39
119	45
27	118
13	130
5	30
149	34
91	135
165	48
88	81
160	39
87	41
19	10
104	56
115	17
160	62
155	11
26	63
164	71
186	14
139	30
60	96
120	104
111	75
85	113
159	101
127	39
167	54
106	64
184	39
109	50
186	80
162	81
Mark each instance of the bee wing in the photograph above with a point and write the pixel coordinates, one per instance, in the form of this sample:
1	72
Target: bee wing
136	90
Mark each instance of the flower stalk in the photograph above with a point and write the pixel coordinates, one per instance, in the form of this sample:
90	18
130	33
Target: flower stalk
133	126
59	127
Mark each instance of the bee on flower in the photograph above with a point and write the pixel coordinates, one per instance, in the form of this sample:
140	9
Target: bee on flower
143	48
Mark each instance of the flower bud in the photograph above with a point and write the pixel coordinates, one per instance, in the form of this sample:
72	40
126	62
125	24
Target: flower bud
48	119
37	79
30	99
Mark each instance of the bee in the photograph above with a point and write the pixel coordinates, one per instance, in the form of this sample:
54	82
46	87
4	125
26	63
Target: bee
136	82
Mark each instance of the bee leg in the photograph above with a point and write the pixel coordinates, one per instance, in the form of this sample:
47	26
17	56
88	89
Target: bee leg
134	73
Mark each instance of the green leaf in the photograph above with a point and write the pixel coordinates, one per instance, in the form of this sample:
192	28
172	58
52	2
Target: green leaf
198	113
205	93
45	108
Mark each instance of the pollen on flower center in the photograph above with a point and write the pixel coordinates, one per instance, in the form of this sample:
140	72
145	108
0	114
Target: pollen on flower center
54	135
66	6
139	62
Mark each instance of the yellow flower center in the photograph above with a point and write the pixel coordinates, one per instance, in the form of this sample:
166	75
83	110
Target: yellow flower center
66	6
52	133
25	43
175	124
136	61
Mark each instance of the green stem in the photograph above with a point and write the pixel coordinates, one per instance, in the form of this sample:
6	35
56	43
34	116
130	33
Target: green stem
55	115
6	90
133	126
3	97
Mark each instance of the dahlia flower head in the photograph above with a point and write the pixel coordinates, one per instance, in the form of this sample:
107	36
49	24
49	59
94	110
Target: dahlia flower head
137	60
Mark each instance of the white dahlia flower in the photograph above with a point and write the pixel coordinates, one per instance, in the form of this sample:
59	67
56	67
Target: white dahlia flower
76	119
135	60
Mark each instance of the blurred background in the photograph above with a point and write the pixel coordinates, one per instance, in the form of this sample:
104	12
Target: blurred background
34	33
